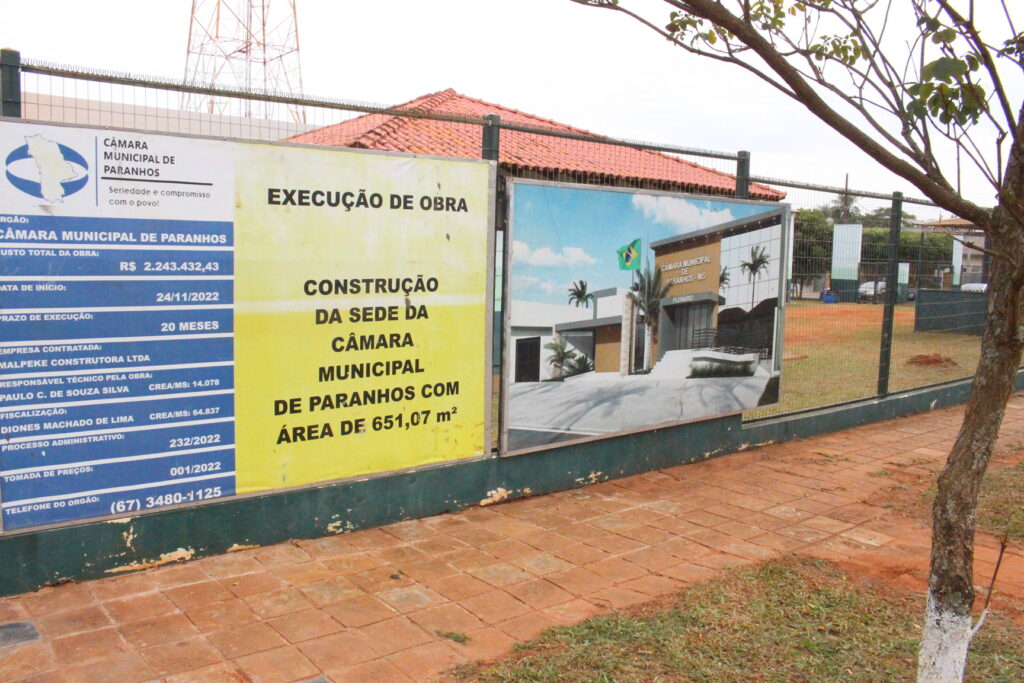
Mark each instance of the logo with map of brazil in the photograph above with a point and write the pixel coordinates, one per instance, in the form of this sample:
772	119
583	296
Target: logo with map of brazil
46	169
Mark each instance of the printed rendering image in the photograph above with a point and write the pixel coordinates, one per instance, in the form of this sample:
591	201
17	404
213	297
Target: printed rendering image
632	310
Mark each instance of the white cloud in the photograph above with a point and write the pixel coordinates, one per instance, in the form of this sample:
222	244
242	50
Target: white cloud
549	286
679	212
546	256
526	282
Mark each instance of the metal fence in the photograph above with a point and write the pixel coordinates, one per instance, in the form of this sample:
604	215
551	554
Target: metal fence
891	325
903	319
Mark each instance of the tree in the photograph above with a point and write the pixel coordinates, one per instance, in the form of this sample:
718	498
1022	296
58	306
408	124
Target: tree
578	294
577	365
649	293
881	218
561	354
724	278
929	249
920	86
844	209
758	262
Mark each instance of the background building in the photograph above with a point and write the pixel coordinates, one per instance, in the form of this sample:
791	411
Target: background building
972	265
524	154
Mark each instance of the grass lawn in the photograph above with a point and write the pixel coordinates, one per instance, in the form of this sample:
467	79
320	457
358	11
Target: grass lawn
790	620
1001	508
832	351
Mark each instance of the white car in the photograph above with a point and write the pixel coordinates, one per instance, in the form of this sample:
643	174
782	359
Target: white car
974	287
871	291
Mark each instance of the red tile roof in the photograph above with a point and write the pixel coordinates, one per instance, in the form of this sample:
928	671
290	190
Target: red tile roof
524	154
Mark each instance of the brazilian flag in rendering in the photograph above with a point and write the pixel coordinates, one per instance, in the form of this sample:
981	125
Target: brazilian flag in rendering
629	256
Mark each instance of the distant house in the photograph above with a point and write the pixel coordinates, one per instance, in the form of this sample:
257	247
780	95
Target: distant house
522	154
972	266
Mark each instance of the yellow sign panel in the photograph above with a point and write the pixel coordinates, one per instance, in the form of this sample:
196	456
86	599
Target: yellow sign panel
361	315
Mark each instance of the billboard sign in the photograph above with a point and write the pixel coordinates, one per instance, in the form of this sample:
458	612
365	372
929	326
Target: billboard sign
631	310
846	246
958	262
188	319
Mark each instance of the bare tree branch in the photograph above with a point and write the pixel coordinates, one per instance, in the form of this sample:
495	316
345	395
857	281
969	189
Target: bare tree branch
991	586
976	247
909	154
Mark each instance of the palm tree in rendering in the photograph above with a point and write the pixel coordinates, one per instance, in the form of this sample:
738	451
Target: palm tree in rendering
561	354
578	294
758	262
723	278
577	365
649	293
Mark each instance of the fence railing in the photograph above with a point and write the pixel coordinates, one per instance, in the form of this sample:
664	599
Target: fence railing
904	319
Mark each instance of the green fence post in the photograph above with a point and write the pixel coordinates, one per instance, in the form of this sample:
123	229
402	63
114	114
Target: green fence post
10	83
743	175
891	285
492	133
491	146
920	260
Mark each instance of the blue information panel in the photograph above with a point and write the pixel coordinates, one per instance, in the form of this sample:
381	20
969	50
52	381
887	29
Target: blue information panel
116	367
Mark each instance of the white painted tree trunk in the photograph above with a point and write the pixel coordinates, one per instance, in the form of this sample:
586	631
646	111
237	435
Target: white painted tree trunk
944	641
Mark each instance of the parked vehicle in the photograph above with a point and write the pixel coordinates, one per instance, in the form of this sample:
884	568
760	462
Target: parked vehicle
872	292
974	287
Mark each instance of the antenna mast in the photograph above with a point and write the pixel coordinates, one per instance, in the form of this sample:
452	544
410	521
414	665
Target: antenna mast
244	45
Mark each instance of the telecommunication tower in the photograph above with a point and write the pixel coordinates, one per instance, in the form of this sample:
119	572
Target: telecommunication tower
243	45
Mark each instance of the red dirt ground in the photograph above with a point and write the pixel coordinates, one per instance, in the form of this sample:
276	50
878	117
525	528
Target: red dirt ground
931	360
906	563
829	323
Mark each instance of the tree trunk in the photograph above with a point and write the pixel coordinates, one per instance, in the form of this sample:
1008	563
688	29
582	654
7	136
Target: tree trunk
947	628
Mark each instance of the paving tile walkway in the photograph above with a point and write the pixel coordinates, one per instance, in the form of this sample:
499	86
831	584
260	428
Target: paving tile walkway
374	605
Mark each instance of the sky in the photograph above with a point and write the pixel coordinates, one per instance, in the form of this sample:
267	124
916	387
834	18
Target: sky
592	68
561	234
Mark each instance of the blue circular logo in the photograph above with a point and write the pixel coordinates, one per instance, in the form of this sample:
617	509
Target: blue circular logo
46	169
